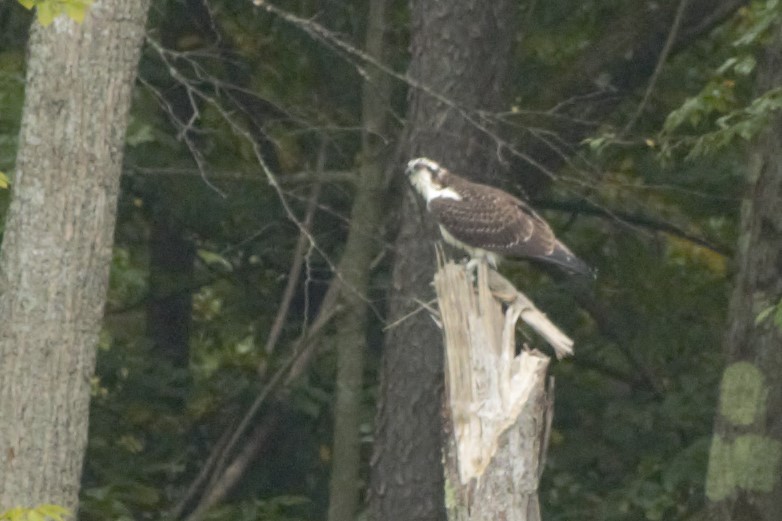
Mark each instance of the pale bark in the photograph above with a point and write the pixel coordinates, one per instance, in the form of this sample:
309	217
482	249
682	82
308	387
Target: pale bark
744	480
498	412
57	245
354	272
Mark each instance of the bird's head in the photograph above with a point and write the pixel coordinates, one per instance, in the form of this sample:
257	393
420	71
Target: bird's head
429	179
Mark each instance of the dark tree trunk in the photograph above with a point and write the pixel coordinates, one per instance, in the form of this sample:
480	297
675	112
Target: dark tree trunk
460	52
169	311
57	245
745	463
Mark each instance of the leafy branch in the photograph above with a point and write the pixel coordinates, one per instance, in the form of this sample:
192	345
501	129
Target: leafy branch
742	123
718	110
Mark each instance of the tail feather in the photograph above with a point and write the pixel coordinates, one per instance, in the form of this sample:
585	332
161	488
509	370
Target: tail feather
567	260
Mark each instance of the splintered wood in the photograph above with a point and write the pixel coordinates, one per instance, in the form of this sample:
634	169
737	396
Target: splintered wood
522	307
498	399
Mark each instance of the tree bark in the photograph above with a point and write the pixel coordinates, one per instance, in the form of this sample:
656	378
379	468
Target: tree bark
57	245
354	271
745	463
460	51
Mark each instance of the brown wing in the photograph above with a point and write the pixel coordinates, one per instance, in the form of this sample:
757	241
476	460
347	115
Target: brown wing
492	220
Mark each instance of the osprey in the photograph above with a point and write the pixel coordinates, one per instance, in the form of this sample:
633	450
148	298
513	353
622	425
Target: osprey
486	222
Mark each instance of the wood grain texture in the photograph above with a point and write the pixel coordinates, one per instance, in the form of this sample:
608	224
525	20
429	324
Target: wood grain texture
57	245
497	404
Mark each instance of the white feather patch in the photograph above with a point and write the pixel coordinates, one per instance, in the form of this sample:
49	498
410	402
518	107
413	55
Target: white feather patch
422	181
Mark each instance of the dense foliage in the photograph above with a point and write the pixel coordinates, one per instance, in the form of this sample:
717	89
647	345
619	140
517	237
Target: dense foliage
231	97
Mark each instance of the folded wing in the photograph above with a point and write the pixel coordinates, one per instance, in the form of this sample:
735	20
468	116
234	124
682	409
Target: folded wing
492	220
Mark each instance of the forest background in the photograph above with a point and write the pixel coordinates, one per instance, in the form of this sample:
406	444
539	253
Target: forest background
266	351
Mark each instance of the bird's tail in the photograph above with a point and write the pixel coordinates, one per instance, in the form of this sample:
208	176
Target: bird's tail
567	260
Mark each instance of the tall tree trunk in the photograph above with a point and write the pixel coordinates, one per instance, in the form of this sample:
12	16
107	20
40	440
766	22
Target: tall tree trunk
460	51
745	463
354	269
57	245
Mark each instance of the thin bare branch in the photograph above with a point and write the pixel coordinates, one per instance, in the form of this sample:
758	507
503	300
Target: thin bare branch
296	265
295	178
203	474
666	50
255	442
268	174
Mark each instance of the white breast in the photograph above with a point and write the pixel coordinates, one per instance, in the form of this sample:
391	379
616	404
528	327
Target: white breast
422	182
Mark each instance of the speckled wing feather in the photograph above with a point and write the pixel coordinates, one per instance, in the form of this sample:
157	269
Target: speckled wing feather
492	220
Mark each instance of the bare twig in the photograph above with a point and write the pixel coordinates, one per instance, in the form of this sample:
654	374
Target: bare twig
220	454
296	178
633	221
672	34
422	306
296	265
236	469
272	179
203	474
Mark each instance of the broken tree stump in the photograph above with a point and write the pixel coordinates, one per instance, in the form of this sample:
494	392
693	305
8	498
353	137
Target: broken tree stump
499	409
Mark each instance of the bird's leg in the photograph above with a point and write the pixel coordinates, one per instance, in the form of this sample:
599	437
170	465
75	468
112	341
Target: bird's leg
473	264
472	267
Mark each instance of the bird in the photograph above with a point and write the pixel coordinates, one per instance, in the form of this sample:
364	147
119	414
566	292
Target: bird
486	222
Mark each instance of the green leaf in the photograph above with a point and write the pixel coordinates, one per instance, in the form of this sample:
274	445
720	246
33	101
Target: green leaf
289	501
763	315
145	495
746	65
775	310
46	13
99	493
39	513
12	514
48	10
76	11
210	257
139	133
4	182
729	63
